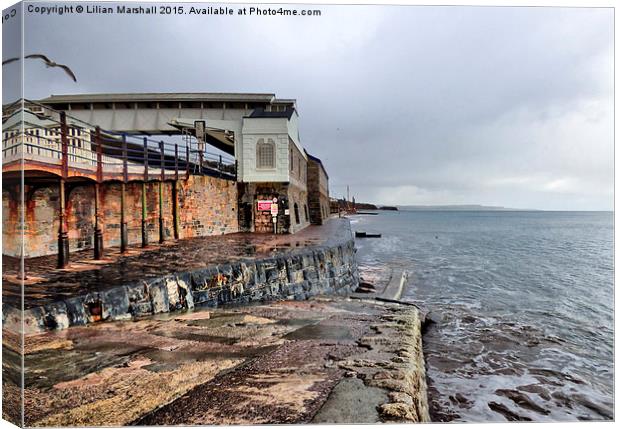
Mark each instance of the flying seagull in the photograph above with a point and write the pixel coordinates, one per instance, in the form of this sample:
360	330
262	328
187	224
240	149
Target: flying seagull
48	63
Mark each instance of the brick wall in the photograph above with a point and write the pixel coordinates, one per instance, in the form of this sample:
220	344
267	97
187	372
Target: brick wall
207	206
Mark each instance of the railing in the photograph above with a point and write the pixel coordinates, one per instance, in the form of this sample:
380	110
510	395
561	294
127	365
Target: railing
61	139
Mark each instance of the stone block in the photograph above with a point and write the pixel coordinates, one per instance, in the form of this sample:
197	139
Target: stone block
55	315
139	299
158	293
115	303
76	311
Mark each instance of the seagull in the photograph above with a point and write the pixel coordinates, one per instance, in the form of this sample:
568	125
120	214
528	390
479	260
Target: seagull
10	60
48	63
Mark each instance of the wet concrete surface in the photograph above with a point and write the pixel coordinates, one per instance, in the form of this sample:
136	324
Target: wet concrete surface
45	283
350	402
276	363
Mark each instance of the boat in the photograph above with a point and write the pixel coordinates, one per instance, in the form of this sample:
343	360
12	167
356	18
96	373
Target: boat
362	234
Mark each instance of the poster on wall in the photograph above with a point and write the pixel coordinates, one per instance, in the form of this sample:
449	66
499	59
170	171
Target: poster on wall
264	205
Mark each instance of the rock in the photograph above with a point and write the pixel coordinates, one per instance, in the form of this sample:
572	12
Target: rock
401	398
522	400
382	375
535	388
507	413
397	411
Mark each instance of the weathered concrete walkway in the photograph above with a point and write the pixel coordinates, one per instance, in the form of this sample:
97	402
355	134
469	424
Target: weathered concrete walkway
45	283
323	360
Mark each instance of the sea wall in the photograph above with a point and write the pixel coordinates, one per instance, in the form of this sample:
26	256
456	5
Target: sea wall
297	274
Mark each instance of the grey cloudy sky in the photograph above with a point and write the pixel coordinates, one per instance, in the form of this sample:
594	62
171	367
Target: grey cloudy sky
408	105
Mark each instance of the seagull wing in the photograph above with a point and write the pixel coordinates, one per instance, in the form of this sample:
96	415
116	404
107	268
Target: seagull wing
10	60
68	71
43	57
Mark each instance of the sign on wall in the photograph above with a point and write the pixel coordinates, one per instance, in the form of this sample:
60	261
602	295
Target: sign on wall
274	209
264	205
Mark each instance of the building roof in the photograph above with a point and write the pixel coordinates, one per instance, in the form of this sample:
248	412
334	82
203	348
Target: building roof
318	161
27	119
260	112
285	101
160	96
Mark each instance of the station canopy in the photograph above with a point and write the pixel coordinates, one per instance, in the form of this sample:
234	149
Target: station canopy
224	140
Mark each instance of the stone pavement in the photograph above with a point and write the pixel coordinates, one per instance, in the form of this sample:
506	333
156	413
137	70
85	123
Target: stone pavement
318	360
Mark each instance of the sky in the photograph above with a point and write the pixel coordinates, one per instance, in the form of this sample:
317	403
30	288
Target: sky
409	105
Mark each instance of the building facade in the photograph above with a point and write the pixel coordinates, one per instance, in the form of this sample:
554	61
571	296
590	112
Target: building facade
318	191
259	130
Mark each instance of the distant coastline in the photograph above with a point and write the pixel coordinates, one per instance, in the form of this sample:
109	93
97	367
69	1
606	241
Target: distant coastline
459	208
464	207
451	207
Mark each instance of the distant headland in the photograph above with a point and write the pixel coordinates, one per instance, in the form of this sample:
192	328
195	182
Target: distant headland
354	206
450	207
461	207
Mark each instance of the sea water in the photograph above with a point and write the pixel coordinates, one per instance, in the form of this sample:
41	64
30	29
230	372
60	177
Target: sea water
521	305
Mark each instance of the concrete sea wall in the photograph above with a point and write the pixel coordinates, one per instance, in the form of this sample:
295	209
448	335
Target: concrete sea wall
297	274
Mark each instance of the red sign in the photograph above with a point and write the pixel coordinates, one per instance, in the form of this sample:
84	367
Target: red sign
264	205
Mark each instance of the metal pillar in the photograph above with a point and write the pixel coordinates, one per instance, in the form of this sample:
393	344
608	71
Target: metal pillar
123	192
123	220
98	239
145	232
161	211
20	199
175	208
63	237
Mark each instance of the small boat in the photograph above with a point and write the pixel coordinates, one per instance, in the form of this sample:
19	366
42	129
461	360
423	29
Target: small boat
367	213
362	234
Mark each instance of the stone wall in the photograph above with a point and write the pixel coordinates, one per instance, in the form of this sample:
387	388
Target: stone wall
318	192
11	222
298	196
299	274
207	206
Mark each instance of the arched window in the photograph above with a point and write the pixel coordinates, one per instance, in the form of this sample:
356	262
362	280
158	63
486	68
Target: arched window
296	213
265	154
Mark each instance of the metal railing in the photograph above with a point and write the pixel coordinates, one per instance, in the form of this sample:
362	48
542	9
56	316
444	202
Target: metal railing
60	139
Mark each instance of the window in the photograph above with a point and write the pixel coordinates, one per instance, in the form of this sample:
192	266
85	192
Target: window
306	212
296	214
292	160
265	154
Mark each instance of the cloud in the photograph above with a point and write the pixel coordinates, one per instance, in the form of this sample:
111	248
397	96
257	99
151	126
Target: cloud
508	106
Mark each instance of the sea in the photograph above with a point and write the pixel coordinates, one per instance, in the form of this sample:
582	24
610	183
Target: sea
520	308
